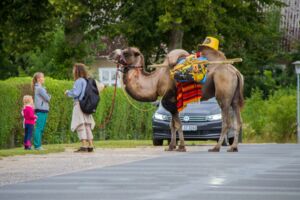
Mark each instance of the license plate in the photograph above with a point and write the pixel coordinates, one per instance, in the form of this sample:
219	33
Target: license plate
189	127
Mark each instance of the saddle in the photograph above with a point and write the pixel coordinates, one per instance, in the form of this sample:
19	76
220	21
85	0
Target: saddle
190	69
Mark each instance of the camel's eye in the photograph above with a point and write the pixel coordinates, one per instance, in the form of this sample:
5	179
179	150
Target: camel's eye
126	54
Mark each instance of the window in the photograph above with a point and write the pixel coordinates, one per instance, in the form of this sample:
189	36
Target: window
107	76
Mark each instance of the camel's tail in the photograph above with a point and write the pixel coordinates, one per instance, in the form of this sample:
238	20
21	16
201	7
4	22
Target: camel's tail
240	88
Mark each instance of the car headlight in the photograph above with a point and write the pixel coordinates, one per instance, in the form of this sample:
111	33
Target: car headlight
159	116
214	117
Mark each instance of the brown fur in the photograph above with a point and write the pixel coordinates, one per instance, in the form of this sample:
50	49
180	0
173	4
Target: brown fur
224	82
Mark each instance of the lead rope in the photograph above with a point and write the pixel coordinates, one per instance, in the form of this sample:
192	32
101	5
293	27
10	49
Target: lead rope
135	106
108	118
132	104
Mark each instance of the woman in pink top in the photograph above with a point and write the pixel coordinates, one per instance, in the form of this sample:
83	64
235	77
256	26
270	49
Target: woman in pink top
29	120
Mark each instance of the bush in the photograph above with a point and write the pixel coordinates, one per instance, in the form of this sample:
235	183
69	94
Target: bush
282	116
126	122
270	120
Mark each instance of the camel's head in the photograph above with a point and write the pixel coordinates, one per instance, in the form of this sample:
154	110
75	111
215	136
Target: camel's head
130	56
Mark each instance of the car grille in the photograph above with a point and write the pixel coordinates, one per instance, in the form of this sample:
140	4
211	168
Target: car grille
191	119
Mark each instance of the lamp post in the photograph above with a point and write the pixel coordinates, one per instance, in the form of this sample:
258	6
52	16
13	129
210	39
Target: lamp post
297	68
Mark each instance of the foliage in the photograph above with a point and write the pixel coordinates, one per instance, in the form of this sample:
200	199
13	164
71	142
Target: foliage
247	29
13	90
62	32
126	123
26	29
56	60
23	26
273	119
257	41
254	112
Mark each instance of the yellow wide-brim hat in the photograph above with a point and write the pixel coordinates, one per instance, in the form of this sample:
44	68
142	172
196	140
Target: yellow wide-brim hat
210	42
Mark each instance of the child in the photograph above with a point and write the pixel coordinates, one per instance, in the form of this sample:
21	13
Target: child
41	104
29	120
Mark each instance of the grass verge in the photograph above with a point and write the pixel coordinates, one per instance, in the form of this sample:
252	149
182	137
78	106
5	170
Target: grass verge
55	148
20	151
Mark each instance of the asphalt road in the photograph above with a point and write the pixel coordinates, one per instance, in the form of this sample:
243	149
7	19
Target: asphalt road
267	171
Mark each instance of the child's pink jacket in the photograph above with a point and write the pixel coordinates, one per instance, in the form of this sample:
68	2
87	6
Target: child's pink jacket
28	114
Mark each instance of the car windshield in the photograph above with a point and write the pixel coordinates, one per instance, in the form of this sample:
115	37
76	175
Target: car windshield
210	105
210	101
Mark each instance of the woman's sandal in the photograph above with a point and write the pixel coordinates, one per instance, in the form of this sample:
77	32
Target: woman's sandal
82	149
90	149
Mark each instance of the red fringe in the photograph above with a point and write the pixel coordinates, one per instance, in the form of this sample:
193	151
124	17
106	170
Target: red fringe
187	93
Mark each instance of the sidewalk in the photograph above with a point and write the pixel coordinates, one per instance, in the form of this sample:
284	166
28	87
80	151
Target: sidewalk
31	167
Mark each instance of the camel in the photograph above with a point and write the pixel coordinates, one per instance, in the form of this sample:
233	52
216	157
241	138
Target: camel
224	82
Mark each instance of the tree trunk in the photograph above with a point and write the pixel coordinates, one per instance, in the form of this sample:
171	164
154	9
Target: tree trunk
74	32
175	41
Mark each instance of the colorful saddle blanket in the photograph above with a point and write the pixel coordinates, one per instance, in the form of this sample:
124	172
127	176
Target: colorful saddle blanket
189	74
188	92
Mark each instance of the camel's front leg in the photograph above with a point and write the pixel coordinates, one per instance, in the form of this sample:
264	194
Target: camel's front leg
172	145
178	127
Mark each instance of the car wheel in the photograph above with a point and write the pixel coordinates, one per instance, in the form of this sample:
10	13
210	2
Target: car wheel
158	142
230	140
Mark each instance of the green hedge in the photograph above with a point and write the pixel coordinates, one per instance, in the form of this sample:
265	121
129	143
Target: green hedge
272	119
126	122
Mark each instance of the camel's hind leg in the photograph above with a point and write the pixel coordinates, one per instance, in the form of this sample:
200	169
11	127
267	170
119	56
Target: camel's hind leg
237	123
226	124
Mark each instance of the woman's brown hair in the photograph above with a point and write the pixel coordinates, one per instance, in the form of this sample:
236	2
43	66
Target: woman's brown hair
35	78
79	71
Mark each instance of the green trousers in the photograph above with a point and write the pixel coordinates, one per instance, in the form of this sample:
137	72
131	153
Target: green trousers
39	129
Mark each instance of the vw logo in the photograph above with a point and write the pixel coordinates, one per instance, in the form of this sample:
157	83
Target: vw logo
186	118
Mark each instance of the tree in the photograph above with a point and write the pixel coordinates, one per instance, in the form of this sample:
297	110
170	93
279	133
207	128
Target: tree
247	29
23	26
57	59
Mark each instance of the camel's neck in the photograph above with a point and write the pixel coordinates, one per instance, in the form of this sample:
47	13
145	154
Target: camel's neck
146	87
